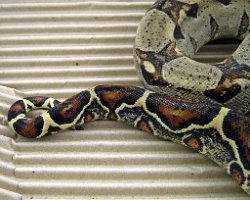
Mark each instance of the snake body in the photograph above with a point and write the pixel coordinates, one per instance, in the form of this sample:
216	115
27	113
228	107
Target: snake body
214	123
172	31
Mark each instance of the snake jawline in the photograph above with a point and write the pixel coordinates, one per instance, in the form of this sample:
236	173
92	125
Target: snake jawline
216	132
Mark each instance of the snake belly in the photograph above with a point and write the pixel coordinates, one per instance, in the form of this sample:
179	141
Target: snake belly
203	106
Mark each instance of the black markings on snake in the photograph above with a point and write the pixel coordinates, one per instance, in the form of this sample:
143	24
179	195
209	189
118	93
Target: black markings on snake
213	124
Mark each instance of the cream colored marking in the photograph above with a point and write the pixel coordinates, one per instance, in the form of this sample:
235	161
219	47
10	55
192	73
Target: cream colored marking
236	152
136	121
100	103
152	33
138	59
14	120
186	73
94	96
245	186
215	123
140	102
241	55
242	82
28	103
49	122
49	101
246	173
149	67
21	116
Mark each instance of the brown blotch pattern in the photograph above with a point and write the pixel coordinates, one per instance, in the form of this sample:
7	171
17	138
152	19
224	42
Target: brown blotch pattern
177	117
88	118
111	98
144	127
194	143
70	110
237	176
29	128
244	137
38	99
17	108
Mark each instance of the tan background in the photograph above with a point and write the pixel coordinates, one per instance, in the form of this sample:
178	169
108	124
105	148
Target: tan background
58	48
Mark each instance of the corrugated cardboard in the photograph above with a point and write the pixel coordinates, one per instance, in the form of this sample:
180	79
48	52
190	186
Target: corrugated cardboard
58	48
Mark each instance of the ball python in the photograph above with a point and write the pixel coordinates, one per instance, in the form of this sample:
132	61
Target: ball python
202	106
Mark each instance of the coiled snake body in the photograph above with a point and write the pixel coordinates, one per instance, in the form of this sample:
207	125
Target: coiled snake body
195	104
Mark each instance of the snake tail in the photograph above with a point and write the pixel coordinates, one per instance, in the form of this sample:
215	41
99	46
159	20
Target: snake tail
217	132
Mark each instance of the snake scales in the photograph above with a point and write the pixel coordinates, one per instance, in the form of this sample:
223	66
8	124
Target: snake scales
199	105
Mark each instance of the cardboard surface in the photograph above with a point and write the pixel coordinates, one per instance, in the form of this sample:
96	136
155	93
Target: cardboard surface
58	48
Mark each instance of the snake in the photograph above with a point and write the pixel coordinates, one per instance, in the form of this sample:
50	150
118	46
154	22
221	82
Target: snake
203	106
